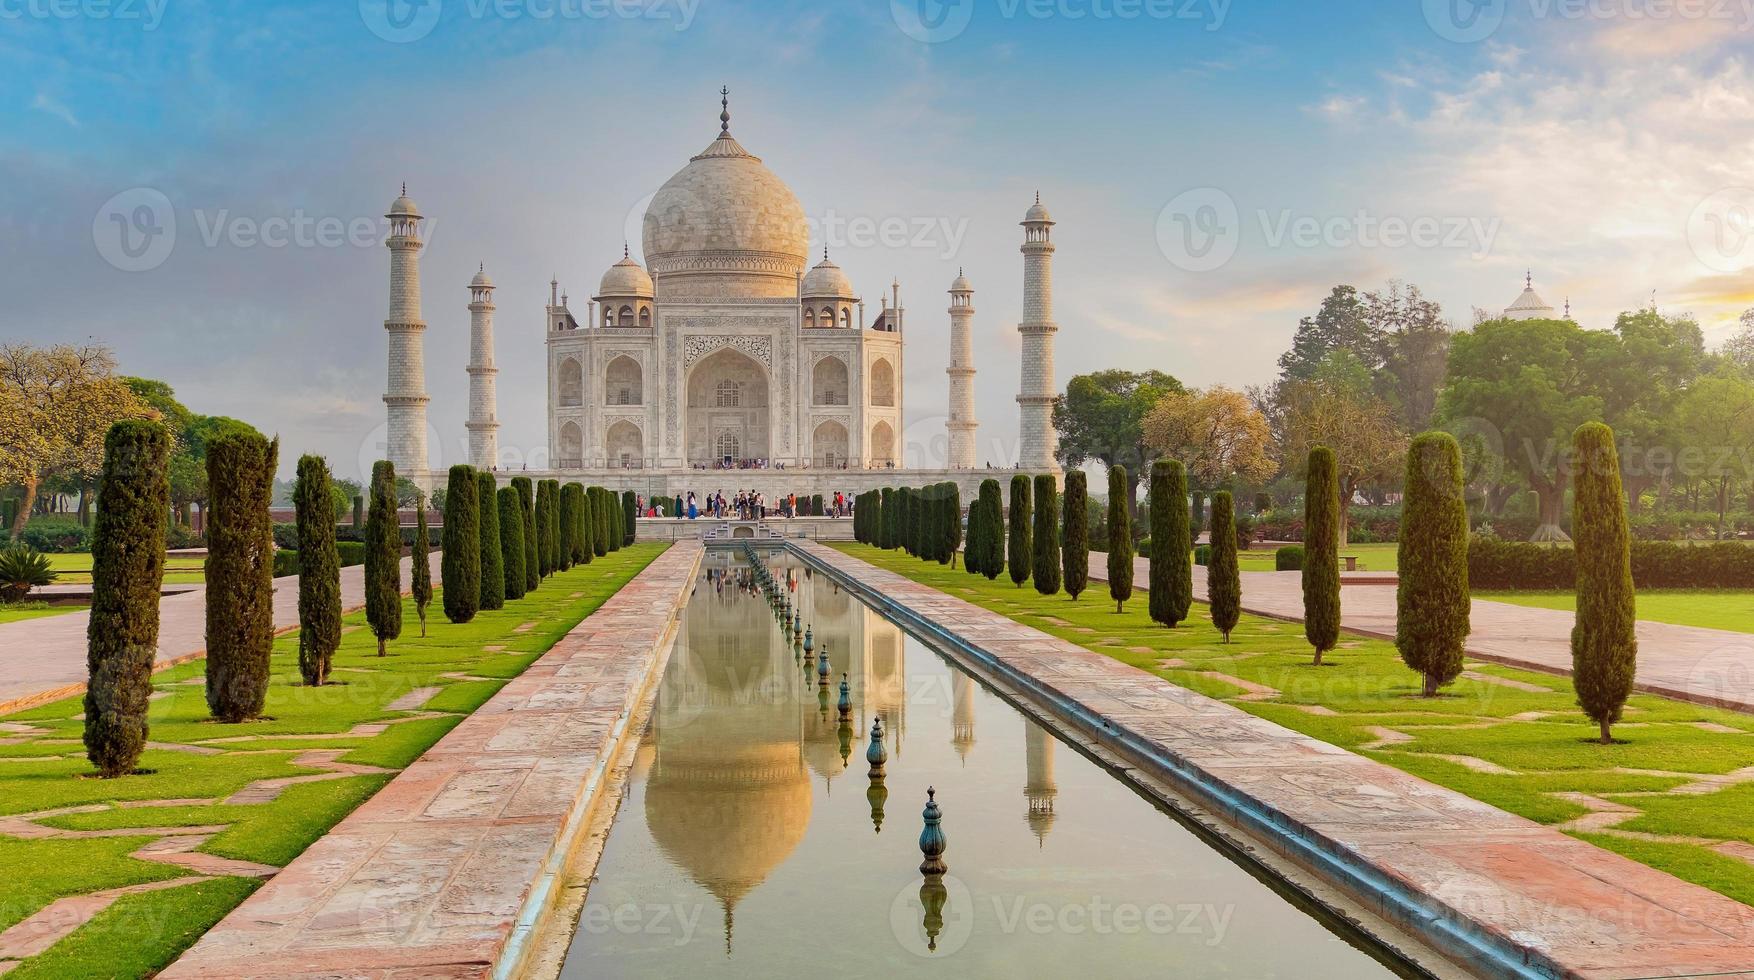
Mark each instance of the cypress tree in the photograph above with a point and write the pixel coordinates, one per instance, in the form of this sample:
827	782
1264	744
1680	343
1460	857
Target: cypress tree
1172	575
612	505
383	557
527	500
1604	639
127	570
859	519
553	525
992	544
240	573
1431	599
1018	555
1120	539
1075	551
460	565
358	511
511	533
629	517
889	524
492	548
319	570
599	520
586	521
1321	552
1046	536
952	529
566	507
1223	583
420	564
544	529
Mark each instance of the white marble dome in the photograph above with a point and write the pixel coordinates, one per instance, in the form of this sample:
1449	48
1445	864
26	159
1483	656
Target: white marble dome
626	279
725	226
827	281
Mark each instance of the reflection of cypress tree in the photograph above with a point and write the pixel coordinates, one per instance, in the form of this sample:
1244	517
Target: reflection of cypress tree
511	535
1019	555
492	549
1172	575
127	570
1223	583
319	570
460	565
1321	551
1046	535
1075	551
1604	643
239	573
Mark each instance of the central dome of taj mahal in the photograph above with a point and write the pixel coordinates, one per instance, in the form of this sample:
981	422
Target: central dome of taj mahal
725	227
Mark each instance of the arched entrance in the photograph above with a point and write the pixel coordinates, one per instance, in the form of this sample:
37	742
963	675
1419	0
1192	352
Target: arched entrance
882	445
727	411
626	445
828	445
572	447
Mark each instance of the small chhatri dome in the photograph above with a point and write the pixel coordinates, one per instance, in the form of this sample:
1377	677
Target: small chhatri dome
826	281
403	206
961	284
481	280
626	278
1529	305
1036	212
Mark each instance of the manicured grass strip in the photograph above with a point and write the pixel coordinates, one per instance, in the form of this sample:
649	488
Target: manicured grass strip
74	568
1512	738
1718	609
202	764
17	612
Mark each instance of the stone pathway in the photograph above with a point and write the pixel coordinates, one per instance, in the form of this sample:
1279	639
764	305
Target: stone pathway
448	865
1705	666
1552	903
45	658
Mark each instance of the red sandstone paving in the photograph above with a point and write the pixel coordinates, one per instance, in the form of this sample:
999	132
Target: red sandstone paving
427	878
44	659
1589	911
1706	666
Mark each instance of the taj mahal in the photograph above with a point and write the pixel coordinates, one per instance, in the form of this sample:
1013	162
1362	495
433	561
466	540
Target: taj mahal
721	351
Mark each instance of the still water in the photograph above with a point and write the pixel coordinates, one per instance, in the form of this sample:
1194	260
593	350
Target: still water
752	842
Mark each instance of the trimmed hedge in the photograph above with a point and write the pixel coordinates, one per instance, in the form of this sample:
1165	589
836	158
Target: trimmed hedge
1288	559
1655	565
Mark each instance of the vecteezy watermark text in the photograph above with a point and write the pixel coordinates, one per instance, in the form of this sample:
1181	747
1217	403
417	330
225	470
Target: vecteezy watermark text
1470	21
149	13
404	21
933	21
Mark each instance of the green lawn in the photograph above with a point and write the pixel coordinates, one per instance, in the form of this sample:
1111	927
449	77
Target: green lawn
74	568
1721	609
47	769
1371	557
1511	738
16	611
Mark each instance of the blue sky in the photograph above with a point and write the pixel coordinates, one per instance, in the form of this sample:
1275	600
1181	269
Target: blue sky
1602	143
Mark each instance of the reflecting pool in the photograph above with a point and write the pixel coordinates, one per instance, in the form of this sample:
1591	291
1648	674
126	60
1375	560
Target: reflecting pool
753	843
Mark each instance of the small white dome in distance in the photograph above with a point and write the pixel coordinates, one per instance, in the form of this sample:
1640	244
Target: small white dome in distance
826	281
626	278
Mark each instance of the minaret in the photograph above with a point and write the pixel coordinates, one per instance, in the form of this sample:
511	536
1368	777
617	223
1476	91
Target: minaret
406	396
1038	786
961	425
1035	400
961	714
483	421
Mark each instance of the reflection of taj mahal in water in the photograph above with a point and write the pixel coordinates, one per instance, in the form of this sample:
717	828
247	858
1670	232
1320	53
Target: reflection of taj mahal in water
722	351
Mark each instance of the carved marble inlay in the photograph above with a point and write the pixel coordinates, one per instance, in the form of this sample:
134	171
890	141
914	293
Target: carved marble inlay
697	347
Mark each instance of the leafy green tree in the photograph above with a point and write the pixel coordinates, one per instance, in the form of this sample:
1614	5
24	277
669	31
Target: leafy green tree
1223	583
1431	599
511	533
1321	551
1604	641
383	557
992	542
1172	581
319	571
1717	412
527	500
460	565
1019	554
1340	325
1100	418
420	563
1045	535
492	549
1120	539
127	570
239	573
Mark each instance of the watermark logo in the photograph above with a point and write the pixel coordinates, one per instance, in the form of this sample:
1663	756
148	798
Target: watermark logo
1199	229
932	21
1720	230
400	21
148	13
1464	21
136	230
